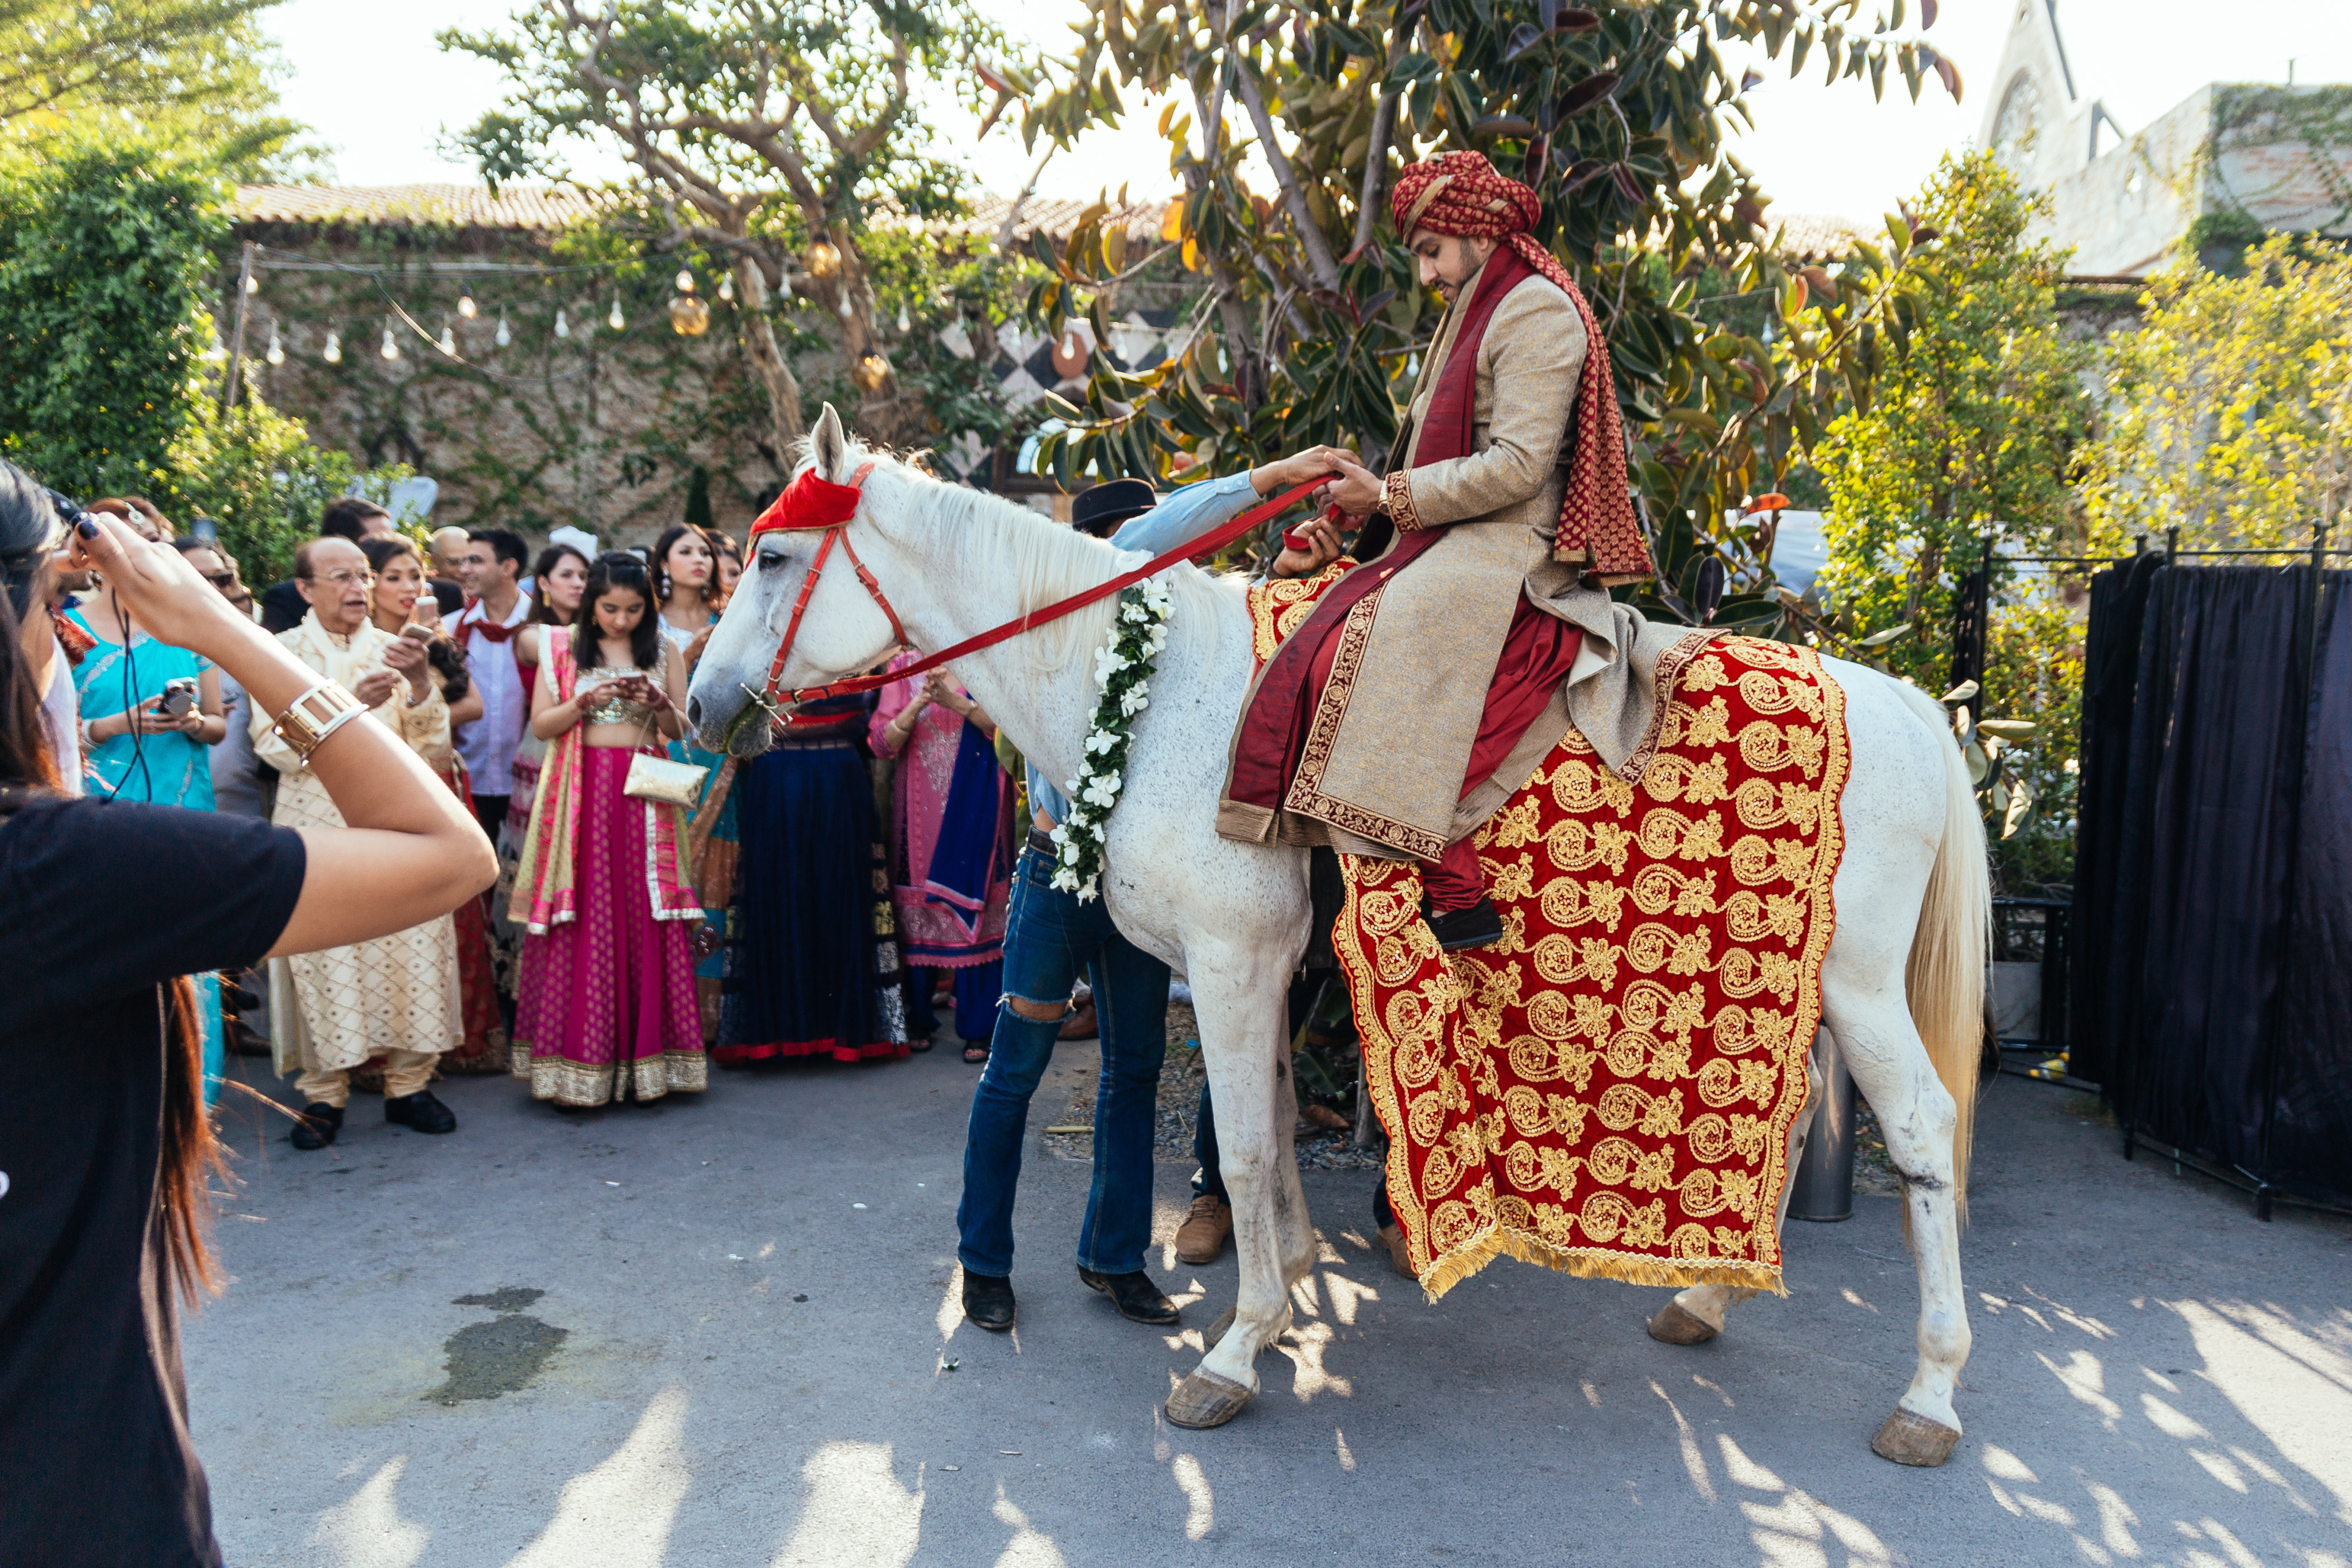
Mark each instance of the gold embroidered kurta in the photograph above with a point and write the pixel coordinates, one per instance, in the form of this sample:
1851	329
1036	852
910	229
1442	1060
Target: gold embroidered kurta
1389	740
334	1009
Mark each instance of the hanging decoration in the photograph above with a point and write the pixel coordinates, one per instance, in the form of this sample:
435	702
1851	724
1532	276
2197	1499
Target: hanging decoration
562	327
333	353
727	285
465	306
848	312
391	346
448	344
617	321
1123	670
689	316
904	326
824	260
276	354
503	336
871	370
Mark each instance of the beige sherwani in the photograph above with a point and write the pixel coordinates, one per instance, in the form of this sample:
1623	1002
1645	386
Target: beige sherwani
397	996
1390	739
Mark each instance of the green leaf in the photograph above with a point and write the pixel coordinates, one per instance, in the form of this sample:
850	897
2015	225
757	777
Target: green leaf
1880	639
1960	693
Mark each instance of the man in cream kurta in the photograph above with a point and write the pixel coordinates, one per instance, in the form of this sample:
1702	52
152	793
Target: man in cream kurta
396	996
1444	667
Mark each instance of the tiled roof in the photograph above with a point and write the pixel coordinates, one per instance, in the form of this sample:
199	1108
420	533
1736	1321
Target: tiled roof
1815	236
452	206
1054	216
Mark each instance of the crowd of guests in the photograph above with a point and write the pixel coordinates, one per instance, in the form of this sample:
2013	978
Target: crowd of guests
819	900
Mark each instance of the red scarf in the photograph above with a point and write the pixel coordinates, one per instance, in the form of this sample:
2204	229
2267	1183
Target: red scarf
491	631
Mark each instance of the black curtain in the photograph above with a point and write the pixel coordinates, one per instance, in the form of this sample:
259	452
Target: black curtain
2110	680
2216	810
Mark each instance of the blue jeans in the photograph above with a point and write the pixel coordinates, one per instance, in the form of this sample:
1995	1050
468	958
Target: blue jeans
1050	937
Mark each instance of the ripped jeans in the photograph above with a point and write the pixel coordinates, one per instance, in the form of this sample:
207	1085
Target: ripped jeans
1049	938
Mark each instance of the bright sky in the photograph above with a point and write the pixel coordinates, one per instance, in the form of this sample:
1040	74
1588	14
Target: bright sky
379	91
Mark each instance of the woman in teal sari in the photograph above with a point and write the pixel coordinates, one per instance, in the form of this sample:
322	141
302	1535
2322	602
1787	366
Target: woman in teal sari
151	714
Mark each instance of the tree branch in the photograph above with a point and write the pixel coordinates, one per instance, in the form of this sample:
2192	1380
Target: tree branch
1310	236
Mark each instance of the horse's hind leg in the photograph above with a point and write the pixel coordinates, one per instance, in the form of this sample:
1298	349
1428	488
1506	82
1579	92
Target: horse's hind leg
1237	996
1862	993
1696	1315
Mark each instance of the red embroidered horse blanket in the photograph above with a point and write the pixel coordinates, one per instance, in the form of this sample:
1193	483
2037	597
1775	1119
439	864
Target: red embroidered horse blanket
1609	1091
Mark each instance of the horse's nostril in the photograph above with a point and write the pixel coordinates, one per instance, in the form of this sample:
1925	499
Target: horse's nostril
694	712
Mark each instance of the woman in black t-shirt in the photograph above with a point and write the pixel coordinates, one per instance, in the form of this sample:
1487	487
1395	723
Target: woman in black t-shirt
104	1144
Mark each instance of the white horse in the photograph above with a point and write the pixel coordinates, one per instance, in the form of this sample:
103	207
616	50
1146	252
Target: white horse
1911	892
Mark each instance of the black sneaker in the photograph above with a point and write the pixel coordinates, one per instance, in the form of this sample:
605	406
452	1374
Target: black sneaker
420	1112
317	1126
1476	926
1136	1297
988	1302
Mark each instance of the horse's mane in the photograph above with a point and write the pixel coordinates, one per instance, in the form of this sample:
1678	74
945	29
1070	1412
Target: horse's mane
979	533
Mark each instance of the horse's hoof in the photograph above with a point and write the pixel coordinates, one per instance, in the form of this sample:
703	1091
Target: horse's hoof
1217	1329
1909	1439
1204	1399
1675	1325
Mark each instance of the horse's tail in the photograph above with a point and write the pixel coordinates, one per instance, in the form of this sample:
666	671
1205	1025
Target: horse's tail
1945	974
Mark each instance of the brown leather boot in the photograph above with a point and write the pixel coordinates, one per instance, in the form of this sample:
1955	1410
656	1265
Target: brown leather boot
1202	1237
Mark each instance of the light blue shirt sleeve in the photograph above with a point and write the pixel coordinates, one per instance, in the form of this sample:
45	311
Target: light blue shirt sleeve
1190	512
1044	796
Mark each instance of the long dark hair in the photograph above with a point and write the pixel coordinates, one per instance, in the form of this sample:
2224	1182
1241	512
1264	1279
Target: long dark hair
445	655
189	1156
659	560
618	569
542	612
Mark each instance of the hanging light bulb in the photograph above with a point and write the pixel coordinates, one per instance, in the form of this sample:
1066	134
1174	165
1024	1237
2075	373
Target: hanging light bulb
727	286
848	311
252	284
390	349
1069	342
277	354
904	324
333	353
504	336
824	260
871	372
465	306
448	339
617	322
562	327
685	281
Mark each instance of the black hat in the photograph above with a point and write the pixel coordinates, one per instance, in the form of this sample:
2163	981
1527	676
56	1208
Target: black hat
1101	509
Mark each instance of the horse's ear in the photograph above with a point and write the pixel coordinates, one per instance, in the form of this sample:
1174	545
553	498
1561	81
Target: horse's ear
830	446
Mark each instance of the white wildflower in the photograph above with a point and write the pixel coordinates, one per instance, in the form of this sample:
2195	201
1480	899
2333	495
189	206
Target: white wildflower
1100	742
1069	854
1065	880
1134	701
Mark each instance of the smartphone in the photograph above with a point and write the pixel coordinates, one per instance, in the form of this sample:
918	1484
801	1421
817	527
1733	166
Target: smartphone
418	631
179	696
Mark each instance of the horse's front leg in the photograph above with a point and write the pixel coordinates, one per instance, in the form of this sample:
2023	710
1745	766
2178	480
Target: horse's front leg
1237	996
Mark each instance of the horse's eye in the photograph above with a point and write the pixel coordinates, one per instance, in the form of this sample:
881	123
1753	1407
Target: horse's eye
772	562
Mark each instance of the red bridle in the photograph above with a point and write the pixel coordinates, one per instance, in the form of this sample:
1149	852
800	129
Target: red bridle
811	504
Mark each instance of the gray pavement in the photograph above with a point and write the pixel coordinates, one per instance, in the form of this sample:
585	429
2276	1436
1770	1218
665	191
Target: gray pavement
718	1332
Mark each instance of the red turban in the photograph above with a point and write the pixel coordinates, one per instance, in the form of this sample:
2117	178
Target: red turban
1462	193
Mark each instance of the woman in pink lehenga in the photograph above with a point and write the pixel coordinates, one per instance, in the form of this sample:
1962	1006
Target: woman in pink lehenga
606	1009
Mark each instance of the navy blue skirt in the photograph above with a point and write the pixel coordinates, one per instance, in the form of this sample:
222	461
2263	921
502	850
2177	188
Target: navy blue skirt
813	960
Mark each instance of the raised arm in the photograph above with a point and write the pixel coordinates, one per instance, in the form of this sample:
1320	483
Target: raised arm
410	852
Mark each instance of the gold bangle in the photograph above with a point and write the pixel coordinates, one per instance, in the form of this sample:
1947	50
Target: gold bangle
318	713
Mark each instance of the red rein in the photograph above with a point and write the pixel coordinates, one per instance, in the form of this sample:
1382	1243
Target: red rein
829	507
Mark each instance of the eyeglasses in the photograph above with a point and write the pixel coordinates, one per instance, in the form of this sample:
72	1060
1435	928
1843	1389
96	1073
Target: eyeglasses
346	579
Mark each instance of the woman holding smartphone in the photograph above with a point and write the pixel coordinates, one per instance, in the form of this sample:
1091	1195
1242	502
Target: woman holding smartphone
150	712
110	1153
400	603
606	1009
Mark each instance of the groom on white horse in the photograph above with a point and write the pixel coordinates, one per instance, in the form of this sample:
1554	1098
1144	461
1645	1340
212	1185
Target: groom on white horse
1479	620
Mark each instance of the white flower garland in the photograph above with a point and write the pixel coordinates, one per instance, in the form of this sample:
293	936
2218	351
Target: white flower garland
1123	670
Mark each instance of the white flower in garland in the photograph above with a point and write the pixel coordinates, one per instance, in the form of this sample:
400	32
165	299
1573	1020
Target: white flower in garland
1123	670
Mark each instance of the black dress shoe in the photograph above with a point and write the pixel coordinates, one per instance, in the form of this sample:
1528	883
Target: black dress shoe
317	1126
988	1302
1136	1297
420	1112
1476	926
